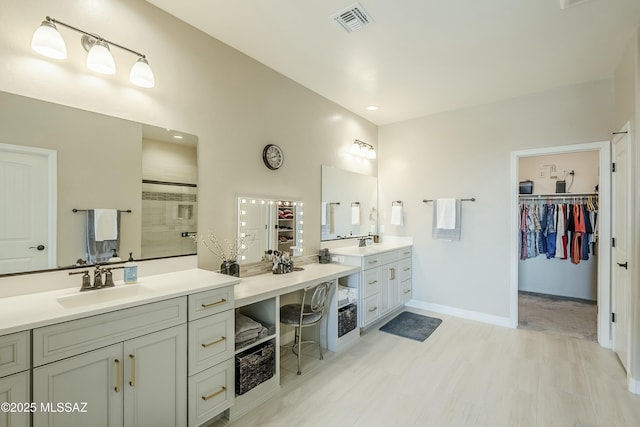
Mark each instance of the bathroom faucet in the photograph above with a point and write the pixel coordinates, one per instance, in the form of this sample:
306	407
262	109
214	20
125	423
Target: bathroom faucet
362	242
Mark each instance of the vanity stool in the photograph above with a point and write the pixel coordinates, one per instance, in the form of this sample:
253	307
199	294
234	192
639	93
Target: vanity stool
308	313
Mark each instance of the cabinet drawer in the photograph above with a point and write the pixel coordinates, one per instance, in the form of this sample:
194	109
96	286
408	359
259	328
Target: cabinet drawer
388	257
210	302
404	269
370	261
371	282
211	392
211	340
14	353
407	290
67	339
405	252
371	309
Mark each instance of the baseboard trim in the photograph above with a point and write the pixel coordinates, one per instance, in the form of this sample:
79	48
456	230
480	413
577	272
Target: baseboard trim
634	386
465	314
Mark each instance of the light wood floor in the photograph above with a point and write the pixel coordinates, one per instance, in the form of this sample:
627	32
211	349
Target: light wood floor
465	374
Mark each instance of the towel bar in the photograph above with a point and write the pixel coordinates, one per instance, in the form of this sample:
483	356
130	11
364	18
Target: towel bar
472	199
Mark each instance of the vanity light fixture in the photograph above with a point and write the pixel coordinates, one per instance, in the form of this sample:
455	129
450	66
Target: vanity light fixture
47	41
363	149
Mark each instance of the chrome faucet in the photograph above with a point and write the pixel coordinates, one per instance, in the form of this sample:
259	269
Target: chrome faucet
363	241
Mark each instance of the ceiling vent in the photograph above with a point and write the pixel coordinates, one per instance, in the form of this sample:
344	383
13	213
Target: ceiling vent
565	4
352	18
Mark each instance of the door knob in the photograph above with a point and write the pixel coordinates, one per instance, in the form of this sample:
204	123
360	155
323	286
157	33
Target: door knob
623	265
39	247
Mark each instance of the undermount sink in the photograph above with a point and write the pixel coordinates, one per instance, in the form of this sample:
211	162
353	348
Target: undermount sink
101	296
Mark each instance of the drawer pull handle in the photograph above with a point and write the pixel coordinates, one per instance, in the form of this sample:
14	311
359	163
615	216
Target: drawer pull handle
212	395
407	268
373	261
406	253
408	291
132	382
118	375
371	283
222	301
373	309
213	342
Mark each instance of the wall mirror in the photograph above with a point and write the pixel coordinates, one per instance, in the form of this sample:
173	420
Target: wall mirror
349	204
266	223
57	163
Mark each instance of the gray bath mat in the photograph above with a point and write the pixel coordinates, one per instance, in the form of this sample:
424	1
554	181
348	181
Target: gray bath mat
411	325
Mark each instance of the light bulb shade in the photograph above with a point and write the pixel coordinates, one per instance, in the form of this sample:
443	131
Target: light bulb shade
355	148
364	151
99	59
141	74
47	41
371	154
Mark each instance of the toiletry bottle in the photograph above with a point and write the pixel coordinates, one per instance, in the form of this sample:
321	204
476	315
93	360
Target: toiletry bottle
130	271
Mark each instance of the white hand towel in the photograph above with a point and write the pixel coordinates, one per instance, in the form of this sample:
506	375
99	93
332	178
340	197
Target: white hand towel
397	215
105	223
446	213
324	213
355	215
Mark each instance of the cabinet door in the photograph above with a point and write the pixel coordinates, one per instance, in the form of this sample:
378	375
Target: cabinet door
389	288
15	389
155	379
371	311
93	378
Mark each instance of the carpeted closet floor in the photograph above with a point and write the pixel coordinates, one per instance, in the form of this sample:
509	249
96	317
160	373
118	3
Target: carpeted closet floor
558	315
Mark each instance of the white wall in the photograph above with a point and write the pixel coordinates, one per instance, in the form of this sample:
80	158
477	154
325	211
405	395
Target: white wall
466	153
234	104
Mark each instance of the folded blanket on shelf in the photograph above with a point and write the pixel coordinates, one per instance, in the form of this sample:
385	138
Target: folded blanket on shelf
347	295
246	328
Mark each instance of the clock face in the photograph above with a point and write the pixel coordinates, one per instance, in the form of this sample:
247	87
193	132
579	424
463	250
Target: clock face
272	156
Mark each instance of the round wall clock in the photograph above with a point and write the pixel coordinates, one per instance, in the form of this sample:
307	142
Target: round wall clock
272	156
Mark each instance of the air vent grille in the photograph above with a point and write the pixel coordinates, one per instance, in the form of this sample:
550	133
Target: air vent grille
352	18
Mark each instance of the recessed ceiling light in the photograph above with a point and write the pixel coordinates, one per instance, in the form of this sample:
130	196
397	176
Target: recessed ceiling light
178	136
372	107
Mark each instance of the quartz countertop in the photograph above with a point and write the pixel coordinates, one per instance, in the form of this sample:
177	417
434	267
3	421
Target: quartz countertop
264	286
376	248
19	313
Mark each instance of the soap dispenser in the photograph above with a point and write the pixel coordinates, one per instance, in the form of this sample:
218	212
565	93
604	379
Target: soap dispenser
130	271
114	257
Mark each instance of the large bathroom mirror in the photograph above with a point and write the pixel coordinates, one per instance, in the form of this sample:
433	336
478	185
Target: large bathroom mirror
349	204
59	164
269	223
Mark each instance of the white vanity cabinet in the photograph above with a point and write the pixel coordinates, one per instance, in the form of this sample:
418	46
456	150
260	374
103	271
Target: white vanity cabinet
14	377
211	350
122	368
385	280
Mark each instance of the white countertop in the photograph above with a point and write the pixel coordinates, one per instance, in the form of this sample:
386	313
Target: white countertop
264	286
19	313
376	248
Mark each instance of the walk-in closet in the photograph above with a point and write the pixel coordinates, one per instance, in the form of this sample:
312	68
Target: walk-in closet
558	243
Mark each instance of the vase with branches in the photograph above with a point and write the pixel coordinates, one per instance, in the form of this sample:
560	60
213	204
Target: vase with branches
228	251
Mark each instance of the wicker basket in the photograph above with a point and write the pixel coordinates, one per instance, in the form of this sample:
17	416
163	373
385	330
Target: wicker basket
255	366
347	319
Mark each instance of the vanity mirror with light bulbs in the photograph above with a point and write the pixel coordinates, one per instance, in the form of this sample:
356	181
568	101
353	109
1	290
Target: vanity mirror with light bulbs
85	160
269	223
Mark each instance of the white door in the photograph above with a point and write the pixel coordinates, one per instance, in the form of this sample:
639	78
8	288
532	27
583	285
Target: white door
26	209
620	276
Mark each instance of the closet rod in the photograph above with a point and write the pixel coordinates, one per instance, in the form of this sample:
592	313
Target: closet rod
557	196
472	199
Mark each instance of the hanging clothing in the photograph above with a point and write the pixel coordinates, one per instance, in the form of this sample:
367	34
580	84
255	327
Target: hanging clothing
579	230
561	231
550	230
